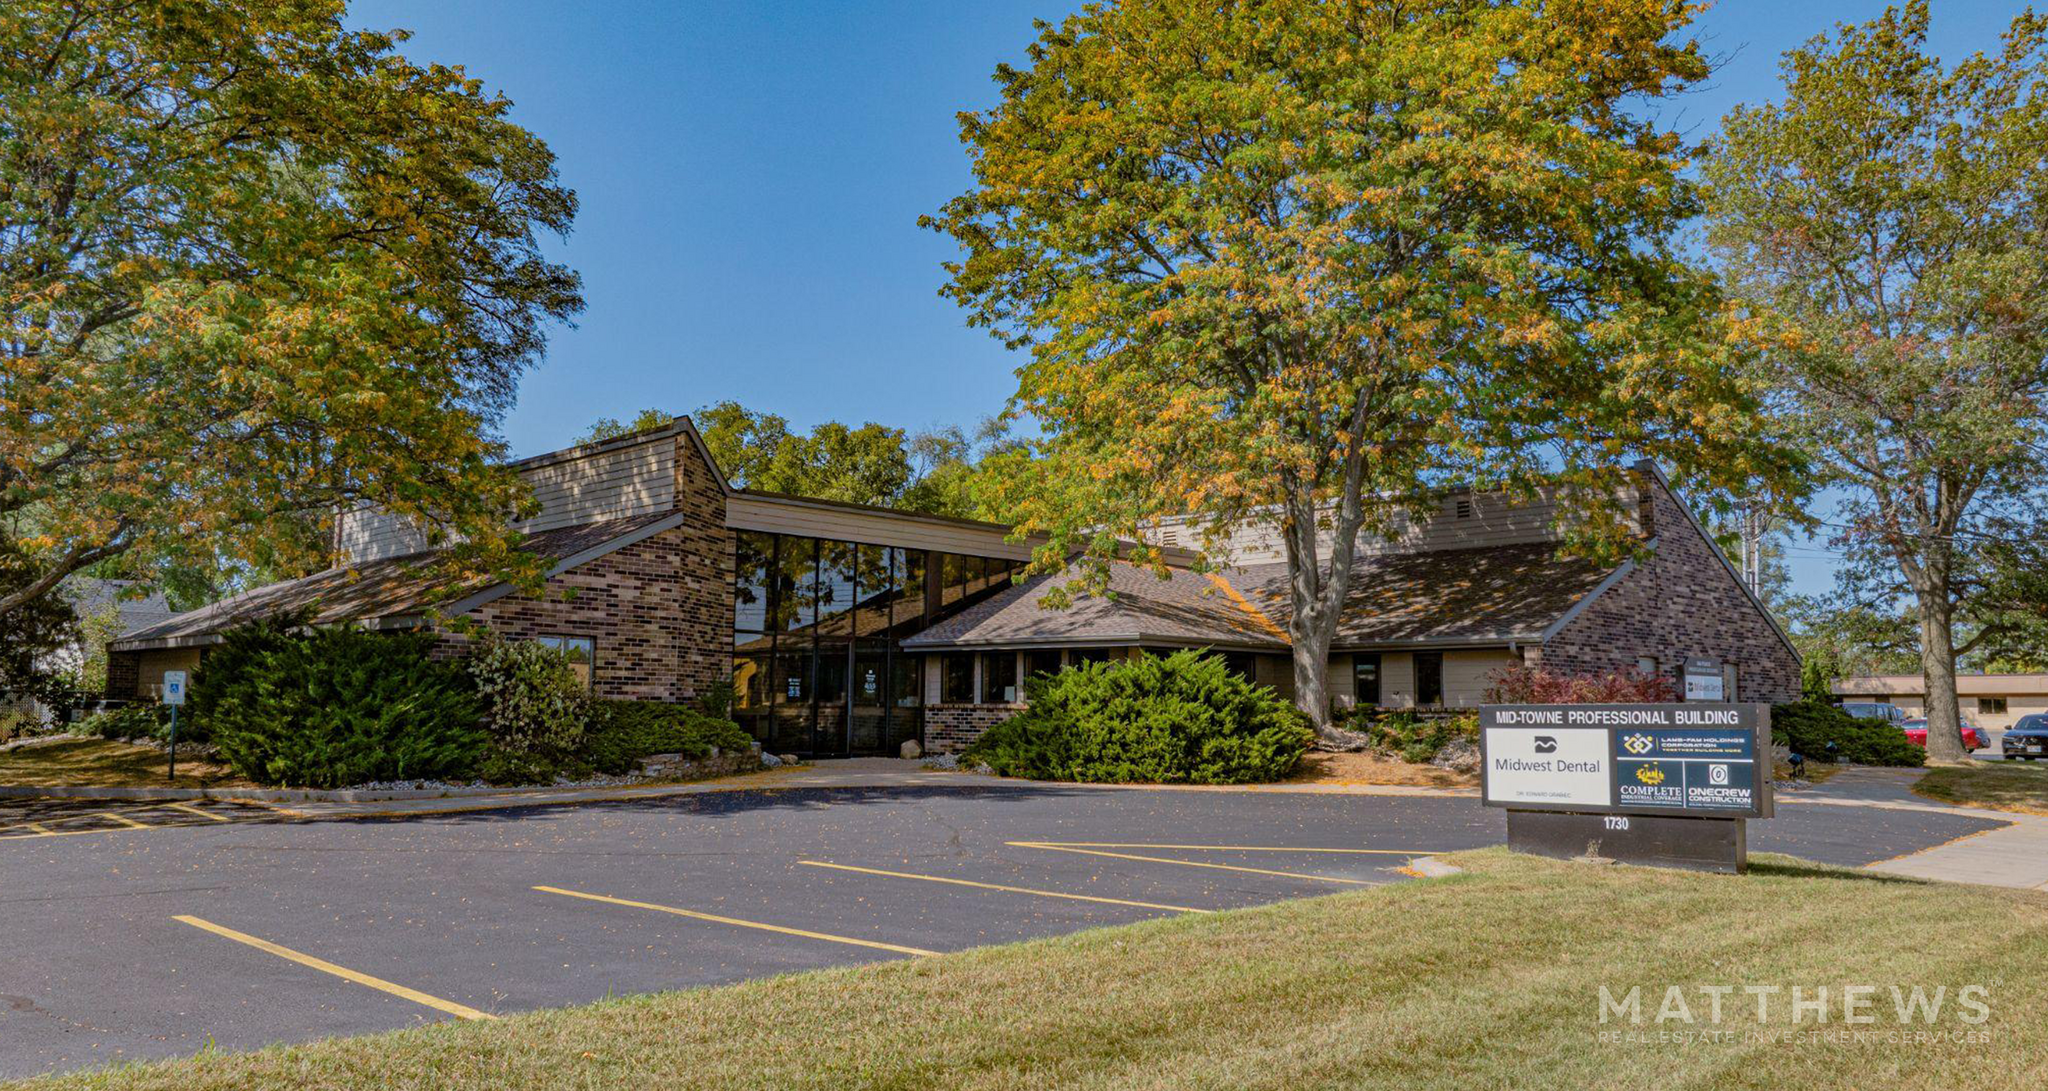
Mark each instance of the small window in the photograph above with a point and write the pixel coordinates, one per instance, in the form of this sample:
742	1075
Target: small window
1647	666
1990	706
999	678
1429	678
1091	655
1042	661
1243	664
580	651
956	678
1365	678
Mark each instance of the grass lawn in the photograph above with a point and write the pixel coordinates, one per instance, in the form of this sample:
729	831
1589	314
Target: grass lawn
1487	979
104	763
2000	786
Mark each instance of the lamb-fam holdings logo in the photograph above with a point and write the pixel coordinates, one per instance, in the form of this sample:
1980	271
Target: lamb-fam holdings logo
1546	744
1638	743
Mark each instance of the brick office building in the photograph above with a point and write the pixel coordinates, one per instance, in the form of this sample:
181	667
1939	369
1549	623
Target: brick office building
848	629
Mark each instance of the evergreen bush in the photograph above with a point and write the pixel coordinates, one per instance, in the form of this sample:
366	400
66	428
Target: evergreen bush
336	707
1809	726
1185	718
623	732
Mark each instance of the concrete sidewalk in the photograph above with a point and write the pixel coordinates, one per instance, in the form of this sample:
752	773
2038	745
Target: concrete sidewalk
2014	855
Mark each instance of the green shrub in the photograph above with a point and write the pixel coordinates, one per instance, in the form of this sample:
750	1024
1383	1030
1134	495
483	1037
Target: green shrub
1185	718
1415	738
130	722
534	704
623	732
225	668
1808	726
342	706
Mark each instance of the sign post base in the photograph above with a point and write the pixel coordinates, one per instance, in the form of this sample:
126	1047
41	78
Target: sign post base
1697	844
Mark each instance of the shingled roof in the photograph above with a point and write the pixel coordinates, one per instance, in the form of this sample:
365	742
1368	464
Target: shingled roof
1486	595
1490	595
381	590
1184	608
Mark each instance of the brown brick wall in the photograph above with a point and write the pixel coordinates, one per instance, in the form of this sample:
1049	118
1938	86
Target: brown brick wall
124	674
949	728
659	610
1682	602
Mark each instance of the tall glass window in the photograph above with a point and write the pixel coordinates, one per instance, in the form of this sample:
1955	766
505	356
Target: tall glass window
817	667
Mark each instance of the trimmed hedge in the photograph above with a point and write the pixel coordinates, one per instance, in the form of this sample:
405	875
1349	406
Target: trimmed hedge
343	706
622	732
1808	726
1182	719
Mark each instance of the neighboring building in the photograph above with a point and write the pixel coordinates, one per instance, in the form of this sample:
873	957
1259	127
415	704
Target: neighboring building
1991	701
848	629
91	600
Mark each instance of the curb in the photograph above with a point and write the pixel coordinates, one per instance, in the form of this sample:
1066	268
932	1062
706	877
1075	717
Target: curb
280	795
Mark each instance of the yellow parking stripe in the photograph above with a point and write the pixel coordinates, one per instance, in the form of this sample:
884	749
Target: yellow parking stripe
190	809
1008	889
122	819
35	828
735	921
459	1011
1190	863
1222	848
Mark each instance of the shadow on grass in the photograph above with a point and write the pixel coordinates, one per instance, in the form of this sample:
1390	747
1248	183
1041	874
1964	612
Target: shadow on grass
1777	866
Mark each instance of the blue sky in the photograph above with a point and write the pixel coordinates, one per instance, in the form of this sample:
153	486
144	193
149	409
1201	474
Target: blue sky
751	176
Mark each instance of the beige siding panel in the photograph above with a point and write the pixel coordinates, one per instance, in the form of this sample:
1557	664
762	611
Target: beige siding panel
153	664
874	528
368	534
1276	671
1466	675
1343	688
1397	680
620	483
1463	522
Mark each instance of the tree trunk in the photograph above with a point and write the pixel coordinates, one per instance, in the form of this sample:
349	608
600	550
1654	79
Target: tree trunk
1938	671
1311	655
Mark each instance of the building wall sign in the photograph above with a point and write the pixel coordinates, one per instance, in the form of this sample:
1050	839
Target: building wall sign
1702	760
1705	680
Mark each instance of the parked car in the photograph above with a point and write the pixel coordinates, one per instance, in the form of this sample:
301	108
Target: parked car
1973	739
2028	738
1874	710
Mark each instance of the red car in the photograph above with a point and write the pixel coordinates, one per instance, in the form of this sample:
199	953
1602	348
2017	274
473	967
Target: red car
1916	730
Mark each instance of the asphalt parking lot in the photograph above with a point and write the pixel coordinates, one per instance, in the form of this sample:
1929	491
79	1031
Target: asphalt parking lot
141	943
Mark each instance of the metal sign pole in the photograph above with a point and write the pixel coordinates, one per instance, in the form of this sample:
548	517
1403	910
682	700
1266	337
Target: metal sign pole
174	695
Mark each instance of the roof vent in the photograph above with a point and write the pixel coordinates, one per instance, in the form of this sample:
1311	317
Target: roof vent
1463	507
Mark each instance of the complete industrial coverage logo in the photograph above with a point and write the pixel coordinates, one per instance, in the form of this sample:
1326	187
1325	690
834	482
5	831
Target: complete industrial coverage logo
1686	770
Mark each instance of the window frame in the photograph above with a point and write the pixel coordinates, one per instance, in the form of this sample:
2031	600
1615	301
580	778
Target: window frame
586	671
1379	679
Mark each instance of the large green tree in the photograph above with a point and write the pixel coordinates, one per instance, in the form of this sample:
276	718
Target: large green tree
1886	220
1303	262
254	267
938	471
